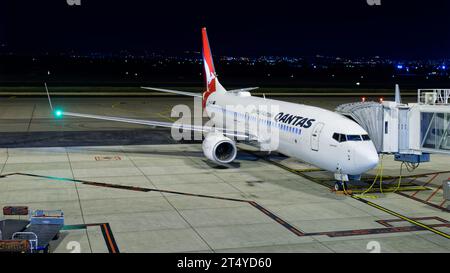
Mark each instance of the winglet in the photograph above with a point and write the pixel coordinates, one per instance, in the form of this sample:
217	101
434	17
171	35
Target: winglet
57	112
48	96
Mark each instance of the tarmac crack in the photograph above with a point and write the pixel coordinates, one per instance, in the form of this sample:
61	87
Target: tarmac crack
31	118
6	161
79	200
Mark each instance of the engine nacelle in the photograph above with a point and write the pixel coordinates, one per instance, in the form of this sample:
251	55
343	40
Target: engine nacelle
219	148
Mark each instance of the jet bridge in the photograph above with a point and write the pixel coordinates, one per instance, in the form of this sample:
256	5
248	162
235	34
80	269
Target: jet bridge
410	131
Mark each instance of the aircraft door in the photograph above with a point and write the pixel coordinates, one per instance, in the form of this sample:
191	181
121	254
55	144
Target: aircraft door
315	136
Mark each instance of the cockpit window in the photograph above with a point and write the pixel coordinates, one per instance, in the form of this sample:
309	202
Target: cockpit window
354	138
343	138
339	137
336	137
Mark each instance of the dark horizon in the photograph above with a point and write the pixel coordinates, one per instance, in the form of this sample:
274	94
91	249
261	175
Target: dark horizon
401	30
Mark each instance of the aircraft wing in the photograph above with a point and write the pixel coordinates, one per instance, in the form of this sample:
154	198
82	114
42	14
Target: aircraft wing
205	129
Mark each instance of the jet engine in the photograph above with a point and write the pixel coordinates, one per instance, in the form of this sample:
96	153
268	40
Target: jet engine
219	148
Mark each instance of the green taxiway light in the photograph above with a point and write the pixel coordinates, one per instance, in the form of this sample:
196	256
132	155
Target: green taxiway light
58	113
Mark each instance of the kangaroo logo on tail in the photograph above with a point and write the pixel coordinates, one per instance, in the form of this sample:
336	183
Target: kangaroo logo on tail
210	77
211	80
210	72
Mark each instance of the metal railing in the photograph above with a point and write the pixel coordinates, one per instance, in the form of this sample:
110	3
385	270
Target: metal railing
433	96
29	236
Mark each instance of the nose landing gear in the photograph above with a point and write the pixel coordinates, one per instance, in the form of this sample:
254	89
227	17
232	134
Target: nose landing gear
342	181
340	186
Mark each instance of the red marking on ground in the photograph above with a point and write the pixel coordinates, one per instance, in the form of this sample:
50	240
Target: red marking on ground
422	201
433	194
386	223
429	181
107	158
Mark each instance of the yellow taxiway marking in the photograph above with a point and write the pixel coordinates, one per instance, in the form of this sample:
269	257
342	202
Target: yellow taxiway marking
414	222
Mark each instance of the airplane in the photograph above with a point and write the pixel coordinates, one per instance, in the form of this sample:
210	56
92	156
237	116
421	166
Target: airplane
310	134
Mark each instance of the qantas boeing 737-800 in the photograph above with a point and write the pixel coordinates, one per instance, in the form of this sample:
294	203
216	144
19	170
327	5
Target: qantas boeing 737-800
314	135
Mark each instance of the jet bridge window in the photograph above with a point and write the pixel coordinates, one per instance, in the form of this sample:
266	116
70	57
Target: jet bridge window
435	131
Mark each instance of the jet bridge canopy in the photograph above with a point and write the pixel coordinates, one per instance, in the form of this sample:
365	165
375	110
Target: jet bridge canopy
406	129
370	116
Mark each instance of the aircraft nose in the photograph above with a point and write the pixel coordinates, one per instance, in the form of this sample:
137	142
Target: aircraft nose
366	158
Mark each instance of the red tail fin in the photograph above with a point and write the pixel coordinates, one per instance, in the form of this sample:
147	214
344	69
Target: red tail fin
209	70
211	81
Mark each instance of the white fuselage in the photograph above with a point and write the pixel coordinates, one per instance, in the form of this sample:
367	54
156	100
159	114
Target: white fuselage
311	134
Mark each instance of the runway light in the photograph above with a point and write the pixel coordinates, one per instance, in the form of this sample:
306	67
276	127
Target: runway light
363	99
399	66
381	100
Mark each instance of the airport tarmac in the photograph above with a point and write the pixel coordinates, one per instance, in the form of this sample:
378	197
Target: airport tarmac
130	191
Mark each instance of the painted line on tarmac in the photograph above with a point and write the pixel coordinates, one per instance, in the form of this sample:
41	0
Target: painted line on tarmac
440	207
107	233
277	219
387	223
410	220
124	187
109	237
417	226
428	182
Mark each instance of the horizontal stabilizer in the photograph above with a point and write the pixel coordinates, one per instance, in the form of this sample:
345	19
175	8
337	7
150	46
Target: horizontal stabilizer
198	95
243	90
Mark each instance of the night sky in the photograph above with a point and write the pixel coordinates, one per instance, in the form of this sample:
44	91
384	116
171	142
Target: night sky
404	29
